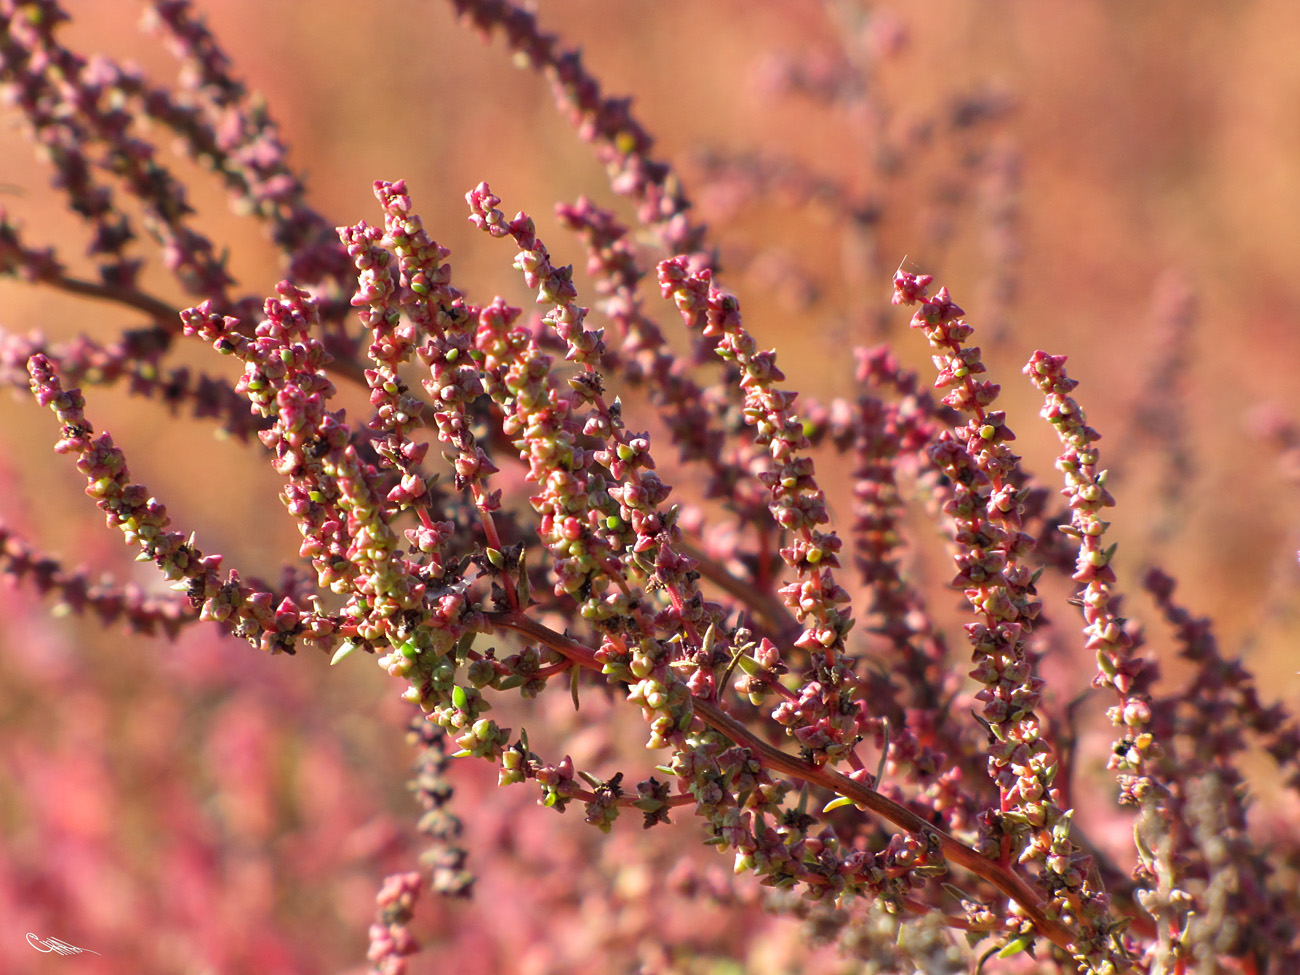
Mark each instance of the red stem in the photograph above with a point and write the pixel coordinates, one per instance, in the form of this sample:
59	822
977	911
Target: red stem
1001	877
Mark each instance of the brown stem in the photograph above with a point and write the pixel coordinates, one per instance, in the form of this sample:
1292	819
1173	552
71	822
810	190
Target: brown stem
1001	877
162	313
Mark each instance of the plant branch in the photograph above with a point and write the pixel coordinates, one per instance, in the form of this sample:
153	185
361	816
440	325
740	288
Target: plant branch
954	850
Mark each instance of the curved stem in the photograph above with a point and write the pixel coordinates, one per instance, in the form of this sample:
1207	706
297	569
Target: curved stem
1001	877
162	313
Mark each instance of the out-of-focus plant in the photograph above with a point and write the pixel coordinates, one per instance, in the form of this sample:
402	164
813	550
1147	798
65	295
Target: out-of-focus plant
801	697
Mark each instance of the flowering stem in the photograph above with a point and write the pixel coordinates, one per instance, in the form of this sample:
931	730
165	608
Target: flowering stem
954	850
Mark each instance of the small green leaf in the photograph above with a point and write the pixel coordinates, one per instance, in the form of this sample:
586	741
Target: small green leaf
1016	947
342	652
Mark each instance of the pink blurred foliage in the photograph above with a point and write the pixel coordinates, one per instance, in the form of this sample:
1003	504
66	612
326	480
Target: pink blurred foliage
177	801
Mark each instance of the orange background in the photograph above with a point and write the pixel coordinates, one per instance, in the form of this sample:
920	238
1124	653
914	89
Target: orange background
1156	147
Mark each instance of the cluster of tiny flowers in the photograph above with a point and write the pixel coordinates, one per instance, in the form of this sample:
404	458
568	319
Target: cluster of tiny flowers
622	143
889	440
985	510
1137	751
445	858
602	530
825	719
391	941
221	126
143	520
644	357
48	77
1202	728
580	515
76	591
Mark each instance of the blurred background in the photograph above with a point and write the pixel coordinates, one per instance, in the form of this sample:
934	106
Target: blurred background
1116	182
